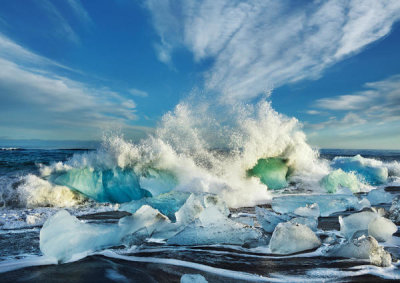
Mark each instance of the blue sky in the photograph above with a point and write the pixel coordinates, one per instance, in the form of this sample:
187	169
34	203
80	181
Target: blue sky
70	70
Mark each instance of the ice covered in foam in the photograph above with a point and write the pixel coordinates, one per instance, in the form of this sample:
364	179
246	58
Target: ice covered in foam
337	179
370	221
181	155
327	204
291	238
372	171
271	171
364	248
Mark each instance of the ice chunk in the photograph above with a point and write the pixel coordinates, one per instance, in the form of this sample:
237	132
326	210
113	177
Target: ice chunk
311	222
355	222
269	219
378	196
113	185
364	248
377	226
394	211
196	203
212	227
147	220
308	210
372	171
381	229
291	238
328	204
337	179
193	278
66	238
168	203
271	171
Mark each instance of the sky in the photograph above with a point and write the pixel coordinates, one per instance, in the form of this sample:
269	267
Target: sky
71	70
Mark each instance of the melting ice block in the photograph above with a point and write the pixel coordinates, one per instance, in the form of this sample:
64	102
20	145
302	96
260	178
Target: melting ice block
337	179
364	248
271	171
66	238
377	226
310	222
269	219
168	203
113	185
291	238
372	171
378	196
213	227
328	204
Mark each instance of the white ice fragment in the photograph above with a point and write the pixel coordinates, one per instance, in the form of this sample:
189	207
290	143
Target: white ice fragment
363	203
193	278
35	219
308	210
355	222
378	196
195	204
364	248
212	227
376	225
381	229
66	238
269	219
291	238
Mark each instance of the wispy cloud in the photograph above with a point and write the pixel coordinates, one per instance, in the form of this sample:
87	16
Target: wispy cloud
259	45
138	92
35	98
380	99
80	12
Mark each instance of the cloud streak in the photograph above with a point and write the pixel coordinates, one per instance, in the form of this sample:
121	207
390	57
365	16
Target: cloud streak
259	45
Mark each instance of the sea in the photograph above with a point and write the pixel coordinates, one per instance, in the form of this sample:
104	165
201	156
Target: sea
191	201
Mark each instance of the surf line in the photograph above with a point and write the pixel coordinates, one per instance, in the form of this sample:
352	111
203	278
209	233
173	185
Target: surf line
214	270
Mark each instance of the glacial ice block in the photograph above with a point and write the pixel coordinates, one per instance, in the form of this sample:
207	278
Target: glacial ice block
378	196
377	226
289	238
212	227
271	171
113	185
328	204
168	203
66	238
364	248
381	229
310	222
372	171
337	179
197	203
269	219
